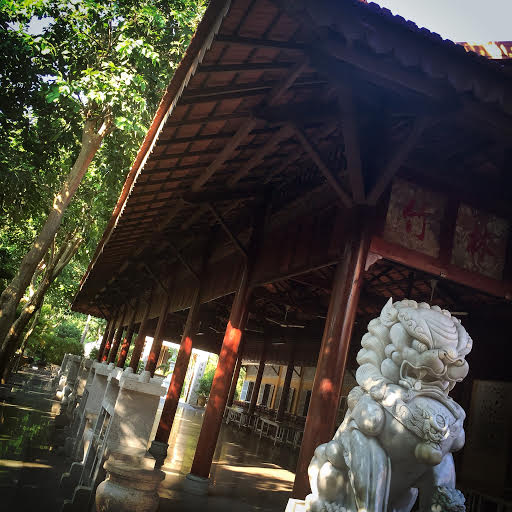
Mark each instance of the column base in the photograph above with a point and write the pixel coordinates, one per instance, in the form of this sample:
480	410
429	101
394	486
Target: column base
130	485
197	485
159	452
295	505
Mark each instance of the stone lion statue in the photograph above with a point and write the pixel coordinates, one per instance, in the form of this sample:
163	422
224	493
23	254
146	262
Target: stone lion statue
401	426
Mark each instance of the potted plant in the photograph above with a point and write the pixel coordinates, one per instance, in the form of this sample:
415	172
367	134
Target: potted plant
203	391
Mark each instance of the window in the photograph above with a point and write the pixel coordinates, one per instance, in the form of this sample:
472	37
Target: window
250	387
266	395
306	403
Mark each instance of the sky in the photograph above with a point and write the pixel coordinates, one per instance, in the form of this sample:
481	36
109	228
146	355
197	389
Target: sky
473	21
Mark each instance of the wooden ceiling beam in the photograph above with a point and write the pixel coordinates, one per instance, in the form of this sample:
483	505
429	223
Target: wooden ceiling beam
226	91
243	131
259	43
183	260
247	126
219	195
214	136
304	113
398	158
324	169
239	68
208	119
285	132
236	242
350	132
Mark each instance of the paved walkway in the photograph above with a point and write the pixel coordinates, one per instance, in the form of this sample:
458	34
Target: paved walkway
29	467
248	474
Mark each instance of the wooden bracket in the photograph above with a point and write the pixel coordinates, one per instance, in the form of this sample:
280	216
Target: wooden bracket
228	231
318	160
156	279
183	260
398	158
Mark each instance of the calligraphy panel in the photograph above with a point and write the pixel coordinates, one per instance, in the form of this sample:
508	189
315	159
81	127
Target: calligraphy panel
414	218
480	242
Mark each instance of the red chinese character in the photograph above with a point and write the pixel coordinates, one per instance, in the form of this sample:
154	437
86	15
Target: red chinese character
410	211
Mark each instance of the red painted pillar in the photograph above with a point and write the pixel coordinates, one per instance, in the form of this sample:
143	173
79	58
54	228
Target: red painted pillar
104	339
179	373
259	377
286	387
125	346
158	337
227	359
325	396
118	336
236	373
141	337
111	333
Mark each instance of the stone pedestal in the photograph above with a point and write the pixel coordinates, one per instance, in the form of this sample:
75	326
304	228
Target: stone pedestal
59	380
68	382
124	425
78	443
131	484
79	420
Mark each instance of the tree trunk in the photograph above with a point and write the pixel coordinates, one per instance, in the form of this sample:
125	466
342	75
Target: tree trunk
86	330
54	268
11	296
14	368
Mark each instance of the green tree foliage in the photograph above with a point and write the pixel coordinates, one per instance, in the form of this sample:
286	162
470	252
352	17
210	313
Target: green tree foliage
205	382
53	337
63	64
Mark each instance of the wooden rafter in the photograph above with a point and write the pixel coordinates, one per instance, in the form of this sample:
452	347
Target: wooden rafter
228	231
285	132
247	126
324	169
398	158
183	260
259	43
352	146
242	132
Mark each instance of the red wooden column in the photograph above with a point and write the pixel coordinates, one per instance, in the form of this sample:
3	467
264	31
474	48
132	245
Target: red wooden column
286	387
104	339
236	373
227	360
111	333
159	445
158	337
141	337
234	381
259	377
118	336
325	396
125	346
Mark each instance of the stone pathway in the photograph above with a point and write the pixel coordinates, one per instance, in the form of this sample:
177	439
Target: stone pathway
248	474
29	467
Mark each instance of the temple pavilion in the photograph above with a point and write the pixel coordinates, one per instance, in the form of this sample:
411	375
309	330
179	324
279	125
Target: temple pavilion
308	161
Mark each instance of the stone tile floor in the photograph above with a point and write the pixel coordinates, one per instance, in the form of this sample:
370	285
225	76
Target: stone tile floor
248	475
29	467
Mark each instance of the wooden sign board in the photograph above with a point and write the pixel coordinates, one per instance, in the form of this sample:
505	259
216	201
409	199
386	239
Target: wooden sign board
414	218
